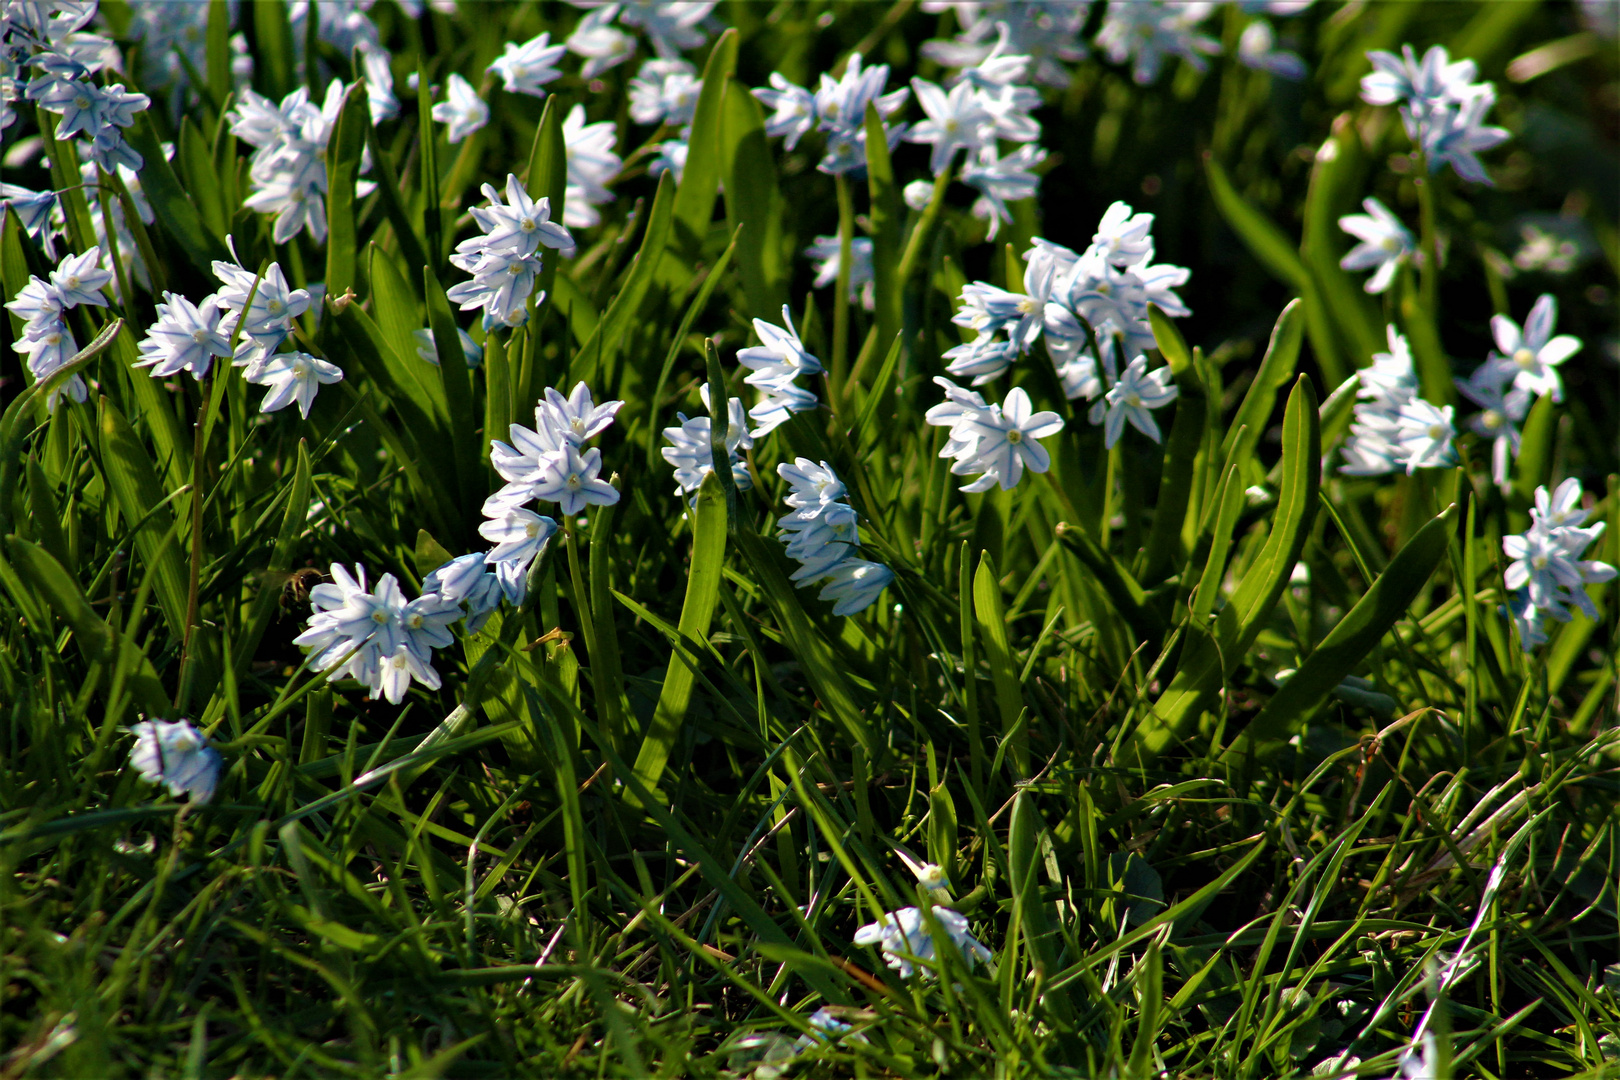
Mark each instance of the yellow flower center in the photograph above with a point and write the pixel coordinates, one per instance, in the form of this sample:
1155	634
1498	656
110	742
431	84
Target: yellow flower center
1491	419
1015	436
1436	431
1524	358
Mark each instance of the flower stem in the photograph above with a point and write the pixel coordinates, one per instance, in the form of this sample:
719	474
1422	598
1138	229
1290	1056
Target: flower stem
1430	238
846	241
199	443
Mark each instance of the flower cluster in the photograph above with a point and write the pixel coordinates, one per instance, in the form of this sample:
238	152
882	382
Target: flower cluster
1083	304
665	92
1547	573
692	453
376	637
47	340
288	168
1394	428
1141	33
838	110
178	755
266	323
51	39
821	534
504	259
548	463
673	26
995	441
1385	244
592	166
1442	108
905	940
775	364
825	253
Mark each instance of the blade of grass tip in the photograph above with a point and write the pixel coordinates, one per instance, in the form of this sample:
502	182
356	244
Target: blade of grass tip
699	302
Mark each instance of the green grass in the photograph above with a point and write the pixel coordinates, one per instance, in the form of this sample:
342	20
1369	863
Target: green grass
635	831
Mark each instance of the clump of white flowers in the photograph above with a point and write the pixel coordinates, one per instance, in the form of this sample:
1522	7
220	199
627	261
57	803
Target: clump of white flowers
1091	308
52	40
994	441
547	463
692	453
177	755
1548	574
838	110
775	364
1442	109
47	341
1395	429
822	534
905	939
505	259
376	636
288	168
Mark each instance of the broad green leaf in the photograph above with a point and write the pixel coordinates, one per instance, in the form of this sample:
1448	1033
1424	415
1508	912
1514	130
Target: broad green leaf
100	643
699	302
398	316
867	428
1352	639
1276	369
456	382
1433	368
134	484
1258	232
1336	181
697	610
274	52
1123	591
547	178
1169	340
886	219
694	198
991	617
196	159
169	201
44	517
1180	455
427	150
343	151
753	202
1207	660
219	50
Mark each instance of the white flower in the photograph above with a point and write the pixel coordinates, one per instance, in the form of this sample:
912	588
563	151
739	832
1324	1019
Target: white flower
671	158
997	441
375	637
664	92
1001	180
918	194
1255	50
520	225
1454	135
984	358
780	357
380	99
794	109
854	585
428	349
956	121
79	279
1146	31
1385	244
269	320
1132	398
1406	80
1029	36
813	486
526	68
1424	435
1124	238
1500	412
570	479
824	251
592	165
904	939
1547	557
178	755
293	376
519	535
576	417
840	107
671	24
467	583
186	337
462	109
691	452
1530	357
991	310
601	43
